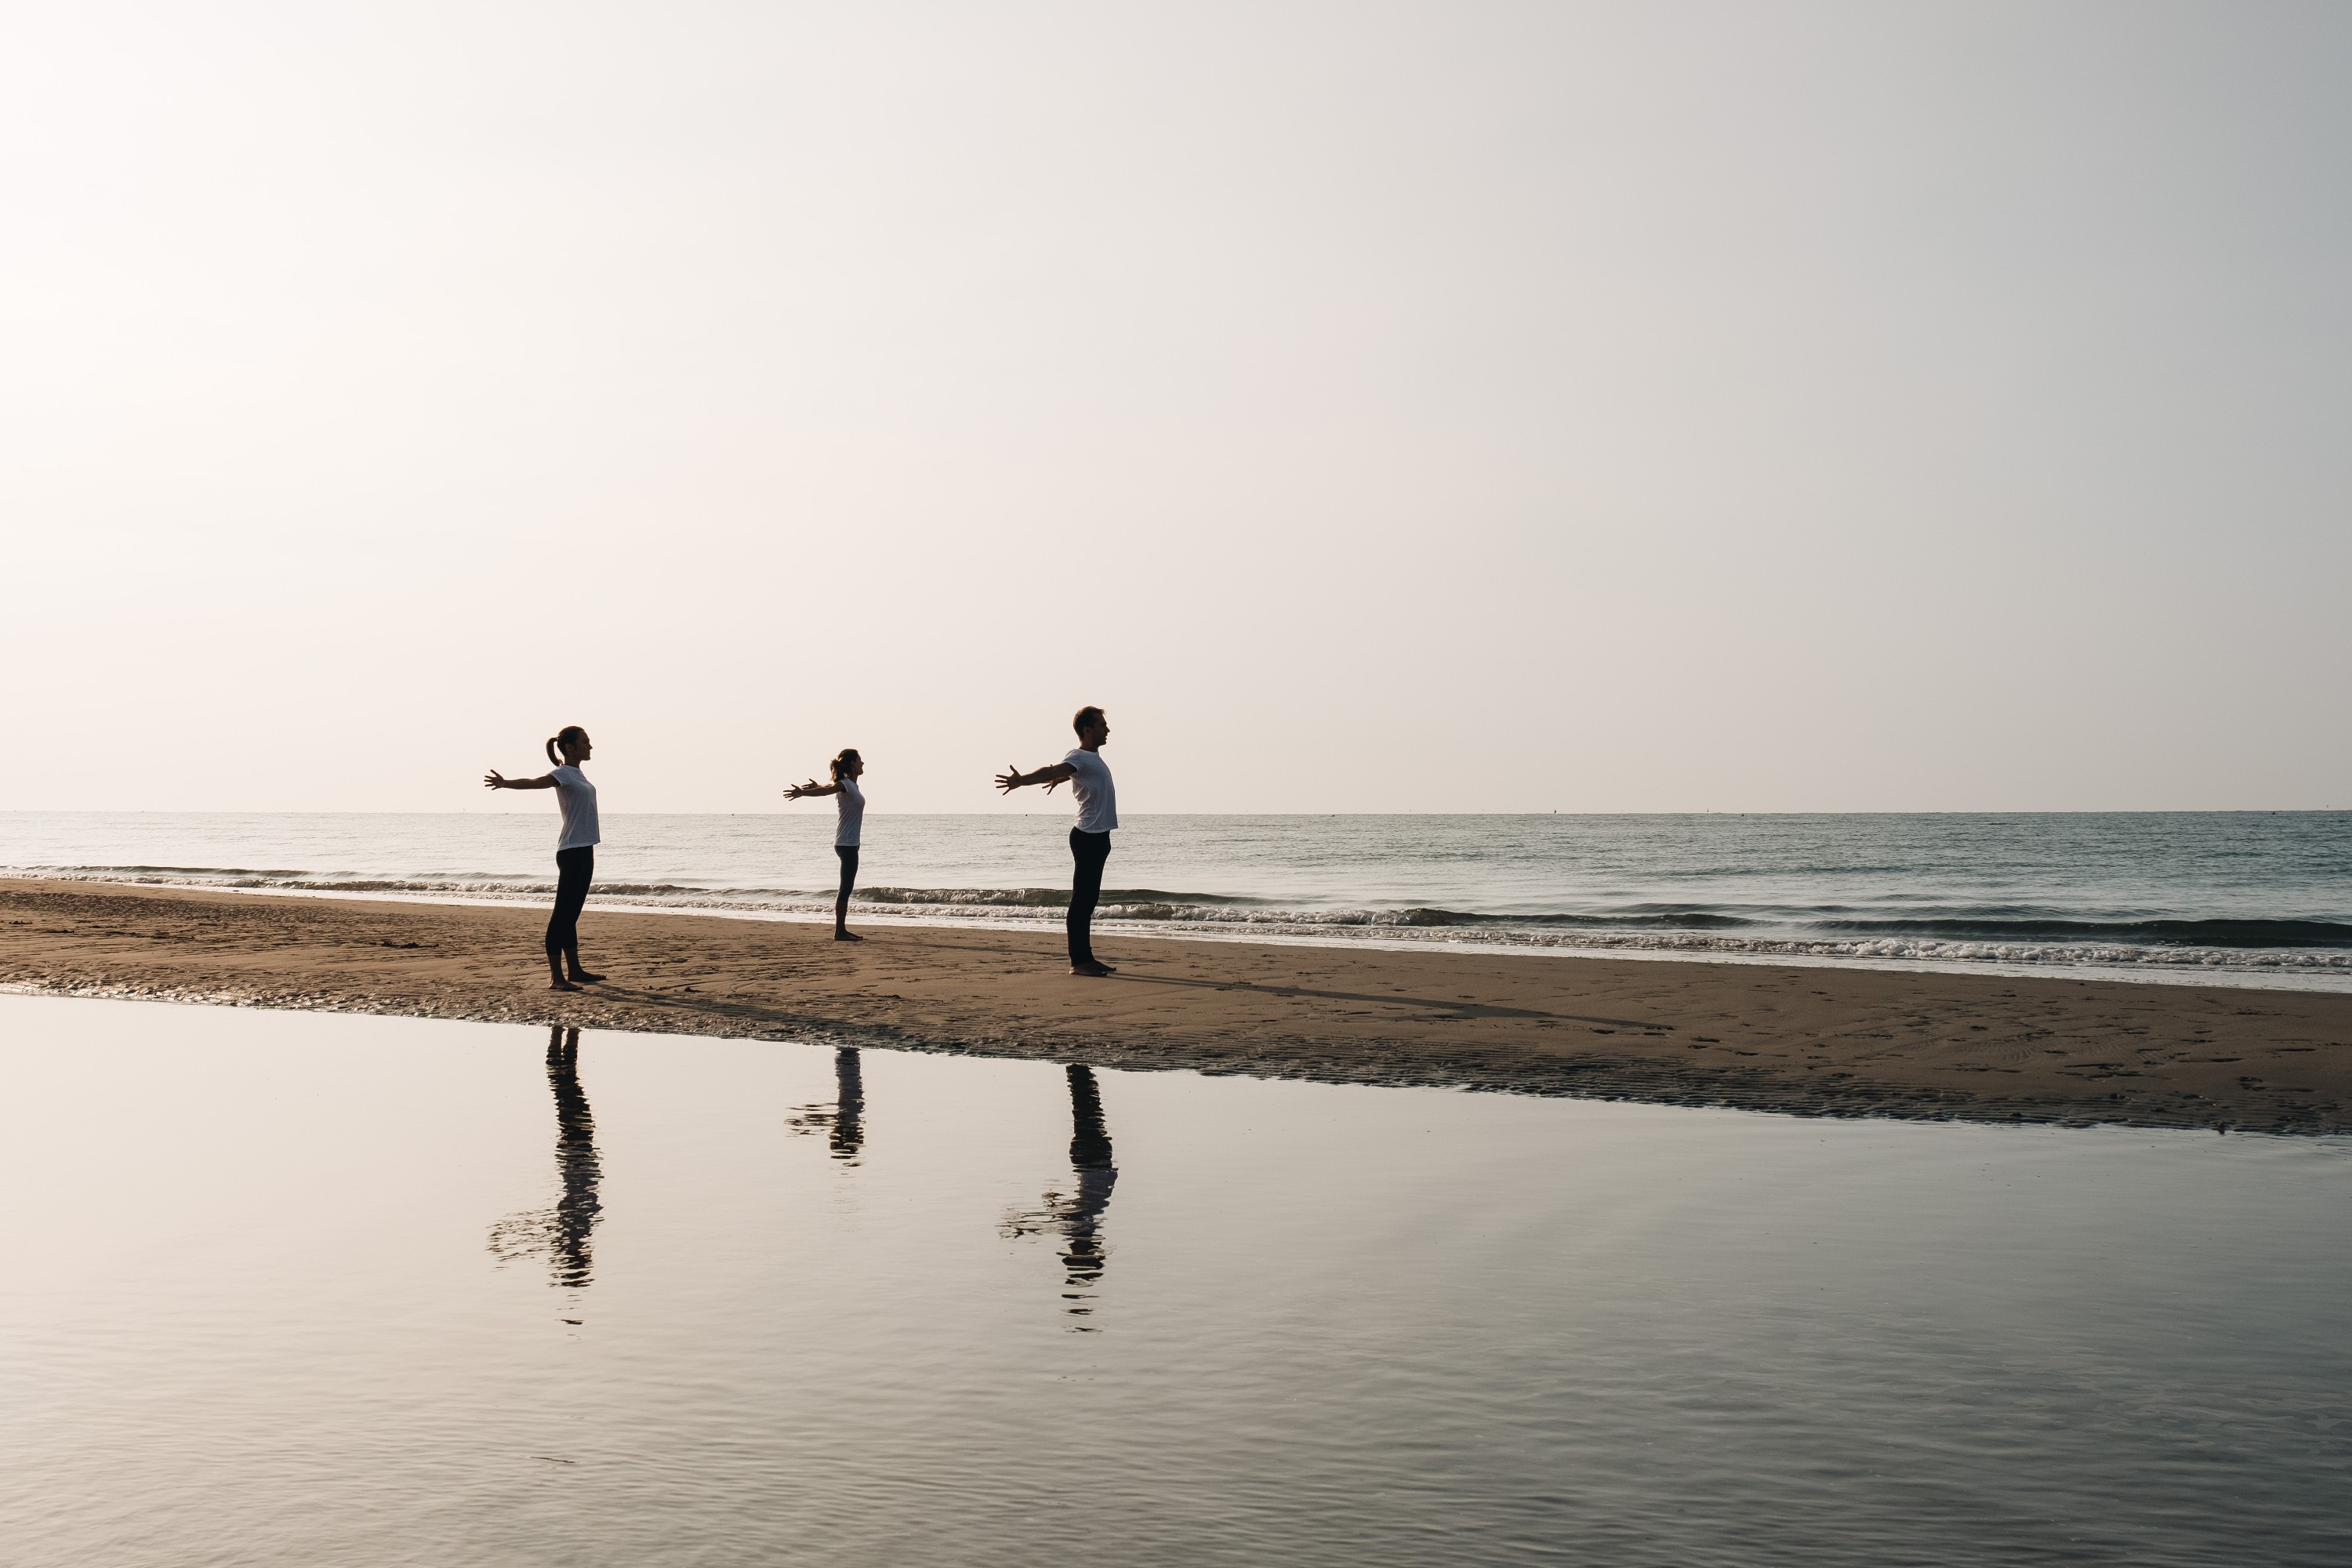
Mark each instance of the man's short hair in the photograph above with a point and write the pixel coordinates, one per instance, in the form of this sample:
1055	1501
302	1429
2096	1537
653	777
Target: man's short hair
1084	717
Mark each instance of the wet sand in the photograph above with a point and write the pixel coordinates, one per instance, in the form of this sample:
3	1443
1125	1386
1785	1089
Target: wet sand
1811	1041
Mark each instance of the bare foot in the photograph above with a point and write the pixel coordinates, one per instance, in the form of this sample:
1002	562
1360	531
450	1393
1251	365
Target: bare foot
848	936
585	978
1092	970
561	984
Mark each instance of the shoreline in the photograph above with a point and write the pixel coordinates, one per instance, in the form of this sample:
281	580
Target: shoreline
2146	972
1830	1038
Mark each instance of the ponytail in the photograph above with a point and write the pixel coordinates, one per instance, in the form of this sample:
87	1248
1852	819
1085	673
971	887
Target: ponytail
841	764
569	733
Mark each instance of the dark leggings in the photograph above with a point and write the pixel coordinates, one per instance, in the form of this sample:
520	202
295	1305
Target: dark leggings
1089	850
848	853
573	868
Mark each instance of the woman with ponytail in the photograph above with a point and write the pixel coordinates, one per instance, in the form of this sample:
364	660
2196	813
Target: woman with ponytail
845	768
575	850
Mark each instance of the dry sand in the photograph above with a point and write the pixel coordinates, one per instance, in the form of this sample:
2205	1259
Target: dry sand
1814	1041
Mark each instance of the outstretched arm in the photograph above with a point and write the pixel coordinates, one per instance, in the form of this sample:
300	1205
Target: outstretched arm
1015	778
496	780
811	788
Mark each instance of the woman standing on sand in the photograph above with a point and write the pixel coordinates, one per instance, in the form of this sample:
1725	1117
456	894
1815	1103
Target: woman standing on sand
575	850
845	769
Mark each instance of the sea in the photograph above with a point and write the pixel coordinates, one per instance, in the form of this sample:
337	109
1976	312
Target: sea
2260	899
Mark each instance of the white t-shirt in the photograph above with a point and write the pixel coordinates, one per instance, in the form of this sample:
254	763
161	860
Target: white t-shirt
577	796
852	801
1090	782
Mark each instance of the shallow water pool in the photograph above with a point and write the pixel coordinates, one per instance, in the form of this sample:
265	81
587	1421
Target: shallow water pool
288	1288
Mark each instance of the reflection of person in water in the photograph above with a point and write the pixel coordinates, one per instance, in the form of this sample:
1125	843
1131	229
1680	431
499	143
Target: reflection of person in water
844	1121
1076	1216
849	1120
560	1234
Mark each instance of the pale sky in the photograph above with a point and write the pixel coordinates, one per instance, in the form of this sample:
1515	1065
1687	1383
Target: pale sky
1376	407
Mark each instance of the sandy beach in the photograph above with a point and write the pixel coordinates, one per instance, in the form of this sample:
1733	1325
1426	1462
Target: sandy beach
1811	1040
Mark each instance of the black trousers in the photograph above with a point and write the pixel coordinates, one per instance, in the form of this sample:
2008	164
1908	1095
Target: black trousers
574	870
848	853
1089	850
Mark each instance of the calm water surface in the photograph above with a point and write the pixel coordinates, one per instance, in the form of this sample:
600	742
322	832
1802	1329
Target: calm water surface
284	1289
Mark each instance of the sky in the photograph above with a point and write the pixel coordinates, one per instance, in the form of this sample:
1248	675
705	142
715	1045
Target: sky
1375	406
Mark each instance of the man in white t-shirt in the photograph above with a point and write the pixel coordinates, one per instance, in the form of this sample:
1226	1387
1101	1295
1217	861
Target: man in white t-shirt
1089	777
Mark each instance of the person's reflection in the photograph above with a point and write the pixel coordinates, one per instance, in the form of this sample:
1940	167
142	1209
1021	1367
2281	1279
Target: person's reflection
1076	1216
844	1121
562	1234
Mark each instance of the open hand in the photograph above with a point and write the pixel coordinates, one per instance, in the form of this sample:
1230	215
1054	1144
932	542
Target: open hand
1008	780
494	780
799	790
